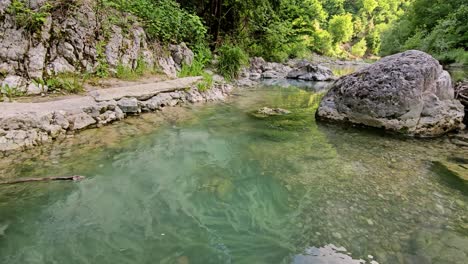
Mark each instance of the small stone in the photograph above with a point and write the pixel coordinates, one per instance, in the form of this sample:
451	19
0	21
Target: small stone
128	105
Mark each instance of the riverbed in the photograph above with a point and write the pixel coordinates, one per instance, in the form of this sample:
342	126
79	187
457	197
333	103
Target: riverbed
217	184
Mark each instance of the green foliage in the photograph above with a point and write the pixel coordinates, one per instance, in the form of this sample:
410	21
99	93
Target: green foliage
102	70
360	48
11	92
125	73
231	59
68	83
164	19
203	56
341	28
32	20
206	83
436	27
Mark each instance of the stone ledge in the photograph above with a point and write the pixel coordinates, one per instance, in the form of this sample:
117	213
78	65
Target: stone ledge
143	91
26	125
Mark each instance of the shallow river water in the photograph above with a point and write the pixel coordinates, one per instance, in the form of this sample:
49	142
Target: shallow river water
215	184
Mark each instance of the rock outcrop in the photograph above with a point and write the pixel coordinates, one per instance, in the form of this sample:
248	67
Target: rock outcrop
300	70
307	71
25	125
408	93
461	93
76	37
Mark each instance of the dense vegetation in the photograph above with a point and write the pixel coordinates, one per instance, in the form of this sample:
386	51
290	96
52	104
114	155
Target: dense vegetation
282	29
439	27
274	29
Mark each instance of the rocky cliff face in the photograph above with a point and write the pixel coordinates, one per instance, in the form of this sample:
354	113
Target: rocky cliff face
407	92
40	38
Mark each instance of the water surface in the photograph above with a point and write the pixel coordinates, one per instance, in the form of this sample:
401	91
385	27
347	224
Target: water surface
215	184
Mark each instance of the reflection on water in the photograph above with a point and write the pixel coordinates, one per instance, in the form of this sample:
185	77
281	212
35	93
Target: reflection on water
215	184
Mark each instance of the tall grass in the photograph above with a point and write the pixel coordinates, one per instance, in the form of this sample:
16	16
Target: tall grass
231	60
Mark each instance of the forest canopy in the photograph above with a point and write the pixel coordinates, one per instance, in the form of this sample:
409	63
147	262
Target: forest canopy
282	29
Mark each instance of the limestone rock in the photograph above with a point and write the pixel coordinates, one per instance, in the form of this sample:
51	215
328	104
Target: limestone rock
256	64
80	121
14	82
128	105
168	66
182	54
311	72
461	91
36	58
266	111
59	65
113	46
4	4
157	102
408	93
36	89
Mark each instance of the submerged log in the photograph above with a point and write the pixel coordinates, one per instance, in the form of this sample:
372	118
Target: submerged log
64	178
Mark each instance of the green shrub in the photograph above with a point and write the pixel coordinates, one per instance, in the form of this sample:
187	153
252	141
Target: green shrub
125	73
321	42
164	19
231	59
202	58
27	18
102	70
69	83
11	92
360	48
459	56
341	28
206	83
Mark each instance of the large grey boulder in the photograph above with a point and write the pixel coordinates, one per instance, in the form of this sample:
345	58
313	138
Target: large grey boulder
408	92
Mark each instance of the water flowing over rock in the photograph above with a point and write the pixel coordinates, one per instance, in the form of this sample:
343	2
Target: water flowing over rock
408	93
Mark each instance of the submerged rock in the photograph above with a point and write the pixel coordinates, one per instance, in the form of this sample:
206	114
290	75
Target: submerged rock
266	111
408	93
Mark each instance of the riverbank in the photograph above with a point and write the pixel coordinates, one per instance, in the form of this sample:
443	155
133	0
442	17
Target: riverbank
26	125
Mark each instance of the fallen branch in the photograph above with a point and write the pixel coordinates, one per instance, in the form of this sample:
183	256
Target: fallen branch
66	178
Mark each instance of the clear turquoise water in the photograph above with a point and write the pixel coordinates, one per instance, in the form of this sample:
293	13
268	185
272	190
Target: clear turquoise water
214	184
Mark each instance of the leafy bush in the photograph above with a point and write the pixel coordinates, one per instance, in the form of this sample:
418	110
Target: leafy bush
69	83
341	28
231	59
206	83
453	56
27	18
164	20
102	70
11	92
360	48
203	56
125	73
